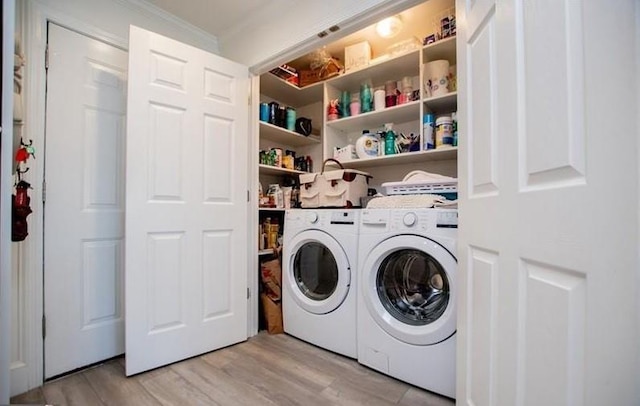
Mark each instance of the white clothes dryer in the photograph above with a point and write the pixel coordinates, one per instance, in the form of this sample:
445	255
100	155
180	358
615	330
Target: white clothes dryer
318	277
407	295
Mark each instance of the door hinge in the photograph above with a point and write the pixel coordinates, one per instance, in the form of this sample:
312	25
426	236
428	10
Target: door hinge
248	196
44	191
46	57
248	293
44	326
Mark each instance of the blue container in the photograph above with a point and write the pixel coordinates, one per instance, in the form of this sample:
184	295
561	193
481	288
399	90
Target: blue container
428	132
264	112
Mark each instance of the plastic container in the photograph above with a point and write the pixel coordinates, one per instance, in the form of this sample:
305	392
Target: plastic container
367	145
389	140
366	97
454	117
291	118
354	107
444	132
428	125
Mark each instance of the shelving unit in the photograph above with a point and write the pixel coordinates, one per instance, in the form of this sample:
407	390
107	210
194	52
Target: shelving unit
442	49
440	154
444	103
396	114
312	101
287	93
274	170
283	136
268	251
389	69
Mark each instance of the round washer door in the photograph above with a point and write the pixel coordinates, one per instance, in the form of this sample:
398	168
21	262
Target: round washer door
318	272
409	287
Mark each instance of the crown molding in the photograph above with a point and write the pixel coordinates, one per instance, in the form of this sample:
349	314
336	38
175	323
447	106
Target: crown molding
151	10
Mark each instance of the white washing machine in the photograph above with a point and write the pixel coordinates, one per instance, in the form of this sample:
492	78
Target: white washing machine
407	295
319	277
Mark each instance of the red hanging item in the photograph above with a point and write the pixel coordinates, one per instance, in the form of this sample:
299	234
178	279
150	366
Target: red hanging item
20	209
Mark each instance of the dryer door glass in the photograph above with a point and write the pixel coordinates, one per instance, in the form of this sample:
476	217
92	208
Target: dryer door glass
315	271
413	287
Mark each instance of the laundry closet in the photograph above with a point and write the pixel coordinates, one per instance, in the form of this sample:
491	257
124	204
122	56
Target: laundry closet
301	124
363	116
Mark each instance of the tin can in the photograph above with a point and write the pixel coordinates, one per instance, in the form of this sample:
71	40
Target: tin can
277	157
444	131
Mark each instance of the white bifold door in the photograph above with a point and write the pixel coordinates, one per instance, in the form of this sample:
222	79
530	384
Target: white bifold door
186	197
84	209
181	132
548	245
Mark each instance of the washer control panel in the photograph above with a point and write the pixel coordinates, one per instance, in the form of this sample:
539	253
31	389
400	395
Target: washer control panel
416	220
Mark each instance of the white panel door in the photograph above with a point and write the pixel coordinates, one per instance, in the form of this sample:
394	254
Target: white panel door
7	15
84	209
186	250
548	202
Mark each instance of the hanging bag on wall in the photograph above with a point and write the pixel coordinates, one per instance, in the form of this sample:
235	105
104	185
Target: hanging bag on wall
20	209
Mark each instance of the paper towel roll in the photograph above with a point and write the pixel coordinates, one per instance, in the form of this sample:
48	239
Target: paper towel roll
378	99
436	77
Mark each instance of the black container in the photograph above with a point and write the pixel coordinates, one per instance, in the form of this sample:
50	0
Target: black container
273	108
281	116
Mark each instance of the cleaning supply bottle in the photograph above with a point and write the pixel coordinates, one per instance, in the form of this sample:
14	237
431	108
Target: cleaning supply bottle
381	142
366	97
367	145
389	140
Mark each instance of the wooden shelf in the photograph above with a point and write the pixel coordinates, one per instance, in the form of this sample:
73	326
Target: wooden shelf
396	114
389	69
287	93
443	49
267	251
272	209
283	136
405	158
442	104
274	170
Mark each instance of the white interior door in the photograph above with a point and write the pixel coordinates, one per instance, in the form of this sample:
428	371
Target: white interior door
7	16
84	208
548	228
186	249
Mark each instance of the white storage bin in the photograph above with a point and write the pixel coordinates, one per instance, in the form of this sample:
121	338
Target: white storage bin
309	190
336	188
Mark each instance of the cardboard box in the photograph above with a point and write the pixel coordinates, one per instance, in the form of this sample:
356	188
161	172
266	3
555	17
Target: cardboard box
357	56
309	77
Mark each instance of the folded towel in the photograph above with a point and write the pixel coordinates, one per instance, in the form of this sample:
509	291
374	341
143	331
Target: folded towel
406	201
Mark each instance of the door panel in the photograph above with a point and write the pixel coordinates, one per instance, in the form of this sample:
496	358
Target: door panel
84	209
186	202
543	262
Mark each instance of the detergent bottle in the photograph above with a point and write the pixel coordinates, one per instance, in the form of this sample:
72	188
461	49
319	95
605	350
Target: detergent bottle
389	139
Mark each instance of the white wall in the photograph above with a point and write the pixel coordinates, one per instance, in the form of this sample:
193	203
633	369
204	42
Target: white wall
113	18
278	34
107	20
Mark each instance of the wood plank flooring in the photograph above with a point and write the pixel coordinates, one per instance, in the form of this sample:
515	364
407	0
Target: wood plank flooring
266	370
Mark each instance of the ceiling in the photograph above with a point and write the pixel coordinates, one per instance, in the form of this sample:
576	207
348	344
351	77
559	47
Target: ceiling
223	18
217	17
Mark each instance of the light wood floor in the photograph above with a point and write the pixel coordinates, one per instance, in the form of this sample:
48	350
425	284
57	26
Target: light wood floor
265	370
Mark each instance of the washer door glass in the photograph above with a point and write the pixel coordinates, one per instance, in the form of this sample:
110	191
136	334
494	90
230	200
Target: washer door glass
413	287
315	271
408	284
